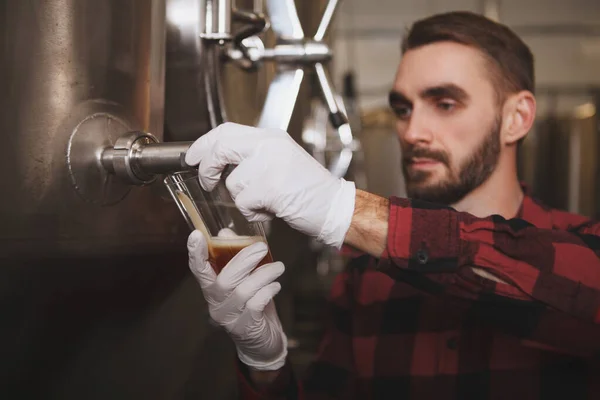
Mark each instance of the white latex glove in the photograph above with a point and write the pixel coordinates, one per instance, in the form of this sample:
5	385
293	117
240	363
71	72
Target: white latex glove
241	301
275	176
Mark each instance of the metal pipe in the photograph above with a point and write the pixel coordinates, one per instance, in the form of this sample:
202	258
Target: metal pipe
137	158
307	53
281	99
162	158
257	23
215	19
284	19
224	9
295	55
336	116
326	88
326	20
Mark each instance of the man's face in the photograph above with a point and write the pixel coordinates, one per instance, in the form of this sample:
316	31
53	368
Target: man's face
448	121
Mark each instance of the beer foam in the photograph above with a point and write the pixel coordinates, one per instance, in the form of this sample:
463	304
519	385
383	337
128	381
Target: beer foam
237	241
226	232
226	239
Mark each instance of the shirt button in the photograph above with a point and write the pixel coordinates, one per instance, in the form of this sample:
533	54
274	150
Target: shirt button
452	343
422	257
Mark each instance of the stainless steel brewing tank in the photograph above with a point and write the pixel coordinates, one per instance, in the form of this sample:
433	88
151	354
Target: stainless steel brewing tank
96	298
86	68
202	90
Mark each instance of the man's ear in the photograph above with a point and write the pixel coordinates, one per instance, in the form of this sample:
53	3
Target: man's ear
518	116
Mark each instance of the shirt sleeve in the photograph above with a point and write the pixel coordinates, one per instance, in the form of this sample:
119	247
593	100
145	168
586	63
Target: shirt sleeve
552	277
330	376
283	387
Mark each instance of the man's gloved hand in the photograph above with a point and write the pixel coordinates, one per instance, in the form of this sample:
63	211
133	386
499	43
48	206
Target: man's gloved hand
241	301
275	176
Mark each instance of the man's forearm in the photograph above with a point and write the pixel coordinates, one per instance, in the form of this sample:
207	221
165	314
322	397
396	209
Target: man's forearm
369	227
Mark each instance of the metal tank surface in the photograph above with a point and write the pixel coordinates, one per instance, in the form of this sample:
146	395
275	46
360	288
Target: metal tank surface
95	295
99	98
89	69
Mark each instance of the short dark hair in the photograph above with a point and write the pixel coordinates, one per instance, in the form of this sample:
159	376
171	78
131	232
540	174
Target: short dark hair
510	57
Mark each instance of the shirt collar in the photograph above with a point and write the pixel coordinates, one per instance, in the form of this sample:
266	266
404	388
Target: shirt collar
533	211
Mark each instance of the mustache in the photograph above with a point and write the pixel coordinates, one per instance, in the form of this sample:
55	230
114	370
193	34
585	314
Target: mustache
421	152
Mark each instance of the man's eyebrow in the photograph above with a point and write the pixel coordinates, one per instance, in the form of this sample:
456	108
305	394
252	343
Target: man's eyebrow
449	90
396	97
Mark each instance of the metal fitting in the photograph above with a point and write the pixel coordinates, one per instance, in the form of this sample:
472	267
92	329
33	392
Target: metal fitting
215	20
138	158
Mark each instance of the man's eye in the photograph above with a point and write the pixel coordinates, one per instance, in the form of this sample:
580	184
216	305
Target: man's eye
446	105
402	112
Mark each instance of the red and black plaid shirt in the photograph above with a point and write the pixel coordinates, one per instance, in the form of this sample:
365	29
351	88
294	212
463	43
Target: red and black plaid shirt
420	324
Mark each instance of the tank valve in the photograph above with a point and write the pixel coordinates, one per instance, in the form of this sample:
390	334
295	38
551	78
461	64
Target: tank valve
138	158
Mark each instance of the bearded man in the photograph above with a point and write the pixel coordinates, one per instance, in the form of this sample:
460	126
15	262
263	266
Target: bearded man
470	289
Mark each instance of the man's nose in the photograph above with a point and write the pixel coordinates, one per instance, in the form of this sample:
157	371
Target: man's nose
415	131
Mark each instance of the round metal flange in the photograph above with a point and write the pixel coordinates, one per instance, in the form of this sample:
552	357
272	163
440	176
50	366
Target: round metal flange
125	148
94	127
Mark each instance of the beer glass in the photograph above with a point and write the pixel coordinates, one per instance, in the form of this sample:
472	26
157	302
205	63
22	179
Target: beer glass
214	214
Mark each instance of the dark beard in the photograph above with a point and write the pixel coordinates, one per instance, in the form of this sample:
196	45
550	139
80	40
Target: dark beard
472	173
